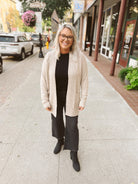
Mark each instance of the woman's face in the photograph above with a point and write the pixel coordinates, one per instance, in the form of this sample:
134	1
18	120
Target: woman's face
65	40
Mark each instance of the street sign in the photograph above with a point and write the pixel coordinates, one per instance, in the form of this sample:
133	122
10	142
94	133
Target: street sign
38	22
54	23
37	4
54	17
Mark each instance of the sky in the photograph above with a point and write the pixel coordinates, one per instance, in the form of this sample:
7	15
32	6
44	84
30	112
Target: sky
18	5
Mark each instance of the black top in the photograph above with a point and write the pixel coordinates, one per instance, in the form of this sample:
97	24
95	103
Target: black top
61	73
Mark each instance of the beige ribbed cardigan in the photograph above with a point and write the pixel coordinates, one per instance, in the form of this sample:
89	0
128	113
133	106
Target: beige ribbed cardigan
77	83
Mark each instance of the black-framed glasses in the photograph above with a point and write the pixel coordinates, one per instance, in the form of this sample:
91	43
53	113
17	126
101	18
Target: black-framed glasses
63	36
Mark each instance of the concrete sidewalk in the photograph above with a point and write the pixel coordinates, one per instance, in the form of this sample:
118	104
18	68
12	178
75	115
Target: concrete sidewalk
104	66
108	135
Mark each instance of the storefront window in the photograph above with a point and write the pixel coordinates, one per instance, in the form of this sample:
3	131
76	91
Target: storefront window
106	27
133	9
88	29
127	40
135	48
114	25
102	27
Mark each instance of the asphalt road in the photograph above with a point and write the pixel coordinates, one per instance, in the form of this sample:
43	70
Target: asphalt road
15	73
9	61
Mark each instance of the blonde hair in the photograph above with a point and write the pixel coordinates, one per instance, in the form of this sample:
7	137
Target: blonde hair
56	42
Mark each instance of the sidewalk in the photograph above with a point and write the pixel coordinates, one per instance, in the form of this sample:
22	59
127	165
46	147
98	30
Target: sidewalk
108	127
104	66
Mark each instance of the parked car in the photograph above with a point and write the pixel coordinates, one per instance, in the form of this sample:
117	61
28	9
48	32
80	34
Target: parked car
36	41
15	45
1	64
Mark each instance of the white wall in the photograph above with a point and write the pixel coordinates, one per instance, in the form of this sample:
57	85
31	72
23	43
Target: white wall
133	62
84	30
76	16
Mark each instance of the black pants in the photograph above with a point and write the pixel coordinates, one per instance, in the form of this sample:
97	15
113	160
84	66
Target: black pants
59	130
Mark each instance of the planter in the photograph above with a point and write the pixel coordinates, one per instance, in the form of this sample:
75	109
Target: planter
127	82
29	18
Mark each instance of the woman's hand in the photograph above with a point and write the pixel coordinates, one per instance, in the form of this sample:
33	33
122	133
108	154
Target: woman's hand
48	108
81	108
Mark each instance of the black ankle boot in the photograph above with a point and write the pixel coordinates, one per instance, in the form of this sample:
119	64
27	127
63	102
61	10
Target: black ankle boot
74	158
58	146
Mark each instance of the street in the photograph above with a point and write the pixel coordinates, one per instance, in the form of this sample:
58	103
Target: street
10	61
14	74
108	127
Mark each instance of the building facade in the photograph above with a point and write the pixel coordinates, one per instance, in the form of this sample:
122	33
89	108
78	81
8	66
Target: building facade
103	17
4	11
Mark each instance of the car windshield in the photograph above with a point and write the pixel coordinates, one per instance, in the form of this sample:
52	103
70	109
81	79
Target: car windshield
35	36
7	39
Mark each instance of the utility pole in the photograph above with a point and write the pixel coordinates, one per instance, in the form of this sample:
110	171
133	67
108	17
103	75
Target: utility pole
40	6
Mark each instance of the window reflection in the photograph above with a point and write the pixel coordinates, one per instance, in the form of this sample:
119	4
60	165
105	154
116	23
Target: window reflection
127	40
106	27
114	25
135	48
133	9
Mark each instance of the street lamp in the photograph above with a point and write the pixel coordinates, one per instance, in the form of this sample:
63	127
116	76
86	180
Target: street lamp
40	44
41	7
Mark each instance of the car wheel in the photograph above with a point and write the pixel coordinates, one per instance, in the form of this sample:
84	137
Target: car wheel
1	65
32	50
22	56
1	68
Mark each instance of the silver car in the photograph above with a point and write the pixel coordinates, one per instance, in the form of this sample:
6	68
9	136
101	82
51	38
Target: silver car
15	45
1	64
35	39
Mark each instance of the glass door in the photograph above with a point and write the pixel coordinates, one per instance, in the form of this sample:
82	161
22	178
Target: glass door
127	41
106	32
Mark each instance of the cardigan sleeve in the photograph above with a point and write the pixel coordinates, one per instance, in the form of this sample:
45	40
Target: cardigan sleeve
84	81
44	83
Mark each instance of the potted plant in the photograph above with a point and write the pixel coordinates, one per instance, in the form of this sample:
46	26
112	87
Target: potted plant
123	72
132	77
29	18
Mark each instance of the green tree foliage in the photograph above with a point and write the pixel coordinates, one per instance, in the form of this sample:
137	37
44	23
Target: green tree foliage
61	6
132	76
27	29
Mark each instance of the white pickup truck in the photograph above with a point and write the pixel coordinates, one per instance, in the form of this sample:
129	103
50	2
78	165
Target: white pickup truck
15	45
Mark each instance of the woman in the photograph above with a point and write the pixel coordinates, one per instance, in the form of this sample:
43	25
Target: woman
64	84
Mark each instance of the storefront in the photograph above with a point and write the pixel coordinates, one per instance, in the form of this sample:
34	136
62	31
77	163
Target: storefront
128	45
110	19
129	48
127	53
108	27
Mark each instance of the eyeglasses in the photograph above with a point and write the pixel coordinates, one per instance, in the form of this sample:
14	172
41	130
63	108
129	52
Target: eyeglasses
63	36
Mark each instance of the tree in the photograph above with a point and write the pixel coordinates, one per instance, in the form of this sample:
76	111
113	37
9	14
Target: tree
61	6
27	29
13	19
